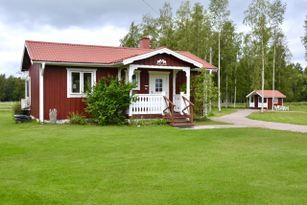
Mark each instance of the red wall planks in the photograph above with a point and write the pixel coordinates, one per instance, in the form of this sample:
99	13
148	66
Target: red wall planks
170	61
55	91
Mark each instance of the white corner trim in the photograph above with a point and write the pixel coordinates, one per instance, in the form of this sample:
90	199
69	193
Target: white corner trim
81	71
162	51
41	92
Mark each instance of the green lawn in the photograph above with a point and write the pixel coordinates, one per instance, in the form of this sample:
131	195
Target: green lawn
297	106
64	164
299	118
6	106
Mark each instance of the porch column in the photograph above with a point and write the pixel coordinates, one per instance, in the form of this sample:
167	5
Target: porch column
174	83
187	73
130	71
41	92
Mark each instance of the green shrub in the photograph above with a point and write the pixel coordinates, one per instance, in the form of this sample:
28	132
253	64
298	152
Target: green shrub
18	111
76	119
109	100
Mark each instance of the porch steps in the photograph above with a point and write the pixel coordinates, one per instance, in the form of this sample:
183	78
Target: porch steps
182	121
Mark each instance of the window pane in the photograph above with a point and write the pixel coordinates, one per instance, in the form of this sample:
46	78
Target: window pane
28	88
75	82
134	78
158	86
87	81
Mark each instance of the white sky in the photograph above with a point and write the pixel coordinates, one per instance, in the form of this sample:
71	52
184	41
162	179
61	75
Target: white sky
105	22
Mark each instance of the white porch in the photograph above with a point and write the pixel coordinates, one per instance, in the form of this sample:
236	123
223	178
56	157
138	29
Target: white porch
158	100
156	104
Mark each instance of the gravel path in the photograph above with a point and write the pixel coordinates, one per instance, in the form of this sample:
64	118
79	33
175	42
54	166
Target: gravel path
239	119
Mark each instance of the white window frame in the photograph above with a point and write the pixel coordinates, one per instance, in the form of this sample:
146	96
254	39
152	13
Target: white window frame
82	94
137	74
28	80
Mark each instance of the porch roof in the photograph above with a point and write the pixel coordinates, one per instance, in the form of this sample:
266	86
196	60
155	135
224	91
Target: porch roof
94	54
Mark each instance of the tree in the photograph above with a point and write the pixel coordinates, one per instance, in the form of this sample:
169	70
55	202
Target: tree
166	26
219	14
183	17
305	39
203	92
277	11
257	17
132	38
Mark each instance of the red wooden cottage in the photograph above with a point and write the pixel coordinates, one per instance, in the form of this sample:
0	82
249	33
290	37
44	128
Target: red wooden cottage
255	99
57	74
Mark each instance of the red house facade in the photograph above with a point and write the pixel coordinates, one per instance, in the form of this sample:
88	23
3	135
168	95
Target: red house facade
58	74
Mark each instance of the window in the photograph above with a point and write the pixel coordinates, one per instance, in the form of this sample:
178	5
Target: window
252	99
136	78
79	81
27	87
260	100
159	85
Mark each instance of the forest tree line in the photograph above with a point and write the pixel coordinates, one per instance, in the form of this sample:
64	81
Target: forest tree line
194	28
11	88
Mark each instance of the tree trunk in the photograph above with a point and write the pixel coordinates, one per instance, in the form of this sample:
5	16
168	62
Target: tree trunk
273	81
235	93
219	73
262	76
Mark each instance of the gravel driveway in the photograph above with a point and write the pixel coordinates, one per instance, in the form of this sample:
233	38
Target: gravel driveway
239	119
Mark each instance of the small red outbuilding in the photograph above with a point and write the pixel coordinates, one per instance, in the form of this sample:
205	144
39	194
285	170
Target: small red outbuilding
270	98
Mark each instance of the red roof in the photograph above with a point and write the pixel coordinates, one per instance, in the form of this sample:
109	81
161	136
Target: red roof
269	93
78	53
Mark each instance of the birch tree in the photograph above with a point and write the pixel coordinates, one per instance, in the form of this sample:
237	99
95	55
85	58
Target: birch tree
219	14
277	12
257	17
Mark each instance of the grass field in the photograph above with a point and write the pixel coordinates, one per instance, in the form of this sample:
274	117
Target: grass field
65	164
296	115
297	106
299	118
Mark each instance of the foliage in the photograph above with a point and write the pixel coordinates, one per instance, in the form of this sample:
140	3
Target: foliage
76	119
203	92
17	109
305	38
132	38
109	100
11	88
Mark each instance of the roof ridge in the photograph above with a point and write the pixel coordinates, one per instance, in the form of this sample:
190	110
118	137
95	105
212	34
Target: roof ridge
89	45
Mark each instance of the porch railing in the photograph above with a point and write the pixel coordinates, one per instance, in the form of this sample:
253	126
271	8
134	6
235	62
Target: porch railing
188	109
148	104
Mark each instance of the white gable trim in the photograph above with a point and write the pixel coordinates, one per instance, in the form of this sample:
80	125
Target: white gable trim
162	51
253	92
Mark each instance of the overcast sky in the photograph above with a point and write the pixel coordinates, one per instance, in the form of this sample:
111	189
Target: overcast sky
104	22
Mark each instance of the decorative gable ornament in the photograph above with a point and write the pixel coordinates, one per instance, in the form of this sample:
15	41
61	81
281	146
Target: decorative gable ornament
161	62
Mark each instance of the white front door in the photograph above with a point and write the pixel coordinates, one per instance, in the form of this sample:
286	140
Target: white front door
159	83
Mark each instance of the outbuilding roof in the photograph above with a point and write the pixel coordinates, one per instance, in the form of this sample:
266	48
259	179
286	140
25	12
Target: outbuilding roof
94	54
267	94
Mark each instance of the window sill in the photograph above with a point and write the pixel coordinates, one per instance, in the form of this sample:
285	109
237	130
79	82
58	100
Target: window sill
76	96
